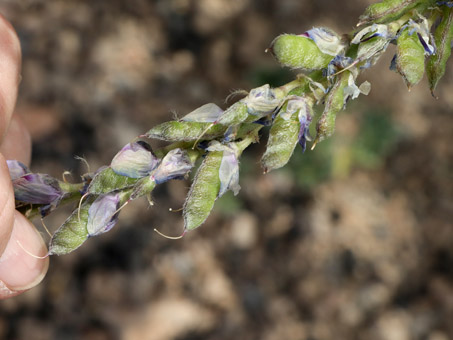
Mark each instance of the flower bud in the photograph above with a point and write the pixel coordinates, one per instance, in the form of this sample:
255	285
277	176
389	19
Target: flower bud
37	189
443	37
103	214
16	169
203	192
175	164
135	160
299	52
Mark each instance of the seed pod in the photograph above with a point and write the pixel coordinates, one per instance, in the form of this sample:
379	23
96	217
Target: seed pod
235	114
203	192
299	51
175	131
106	180
387	10
410	58
283	136
443	36
334	103
72	233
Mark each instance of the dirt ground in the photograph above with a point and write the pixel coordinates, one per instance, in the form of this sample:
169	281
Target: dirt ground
353	240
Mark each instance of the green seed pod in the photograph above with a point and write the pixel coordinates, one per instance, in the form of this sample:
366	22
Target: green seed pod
283	138
235	114
410	58
73	232
176	131
334	103
106	180
387	10
203	192
143	187
443	36
300	52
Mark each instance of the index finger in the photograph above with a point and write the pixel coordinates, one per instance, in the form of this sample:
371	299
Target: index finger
10	60
10	57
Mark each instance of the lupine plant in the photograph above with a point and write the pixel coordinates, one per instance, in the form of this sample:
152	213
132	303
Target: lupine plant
328	65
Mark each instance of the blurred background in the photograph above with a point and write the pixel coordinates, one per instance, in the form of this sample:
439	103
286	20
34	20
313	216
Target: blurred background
353	240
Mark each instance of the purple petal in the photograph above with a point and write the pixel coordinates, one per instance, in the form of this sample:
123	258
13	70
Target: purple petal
16	169
174	165
428	50
135	160
103	215
37	189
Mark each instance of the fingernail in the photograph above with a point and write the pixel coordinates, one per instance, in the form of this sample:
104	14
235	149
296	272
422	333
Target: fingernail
20	269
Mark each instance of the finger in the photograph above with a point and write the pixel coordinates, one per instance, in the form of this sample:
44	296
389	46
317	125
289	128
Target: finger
20	267
17	141
10	58
7	205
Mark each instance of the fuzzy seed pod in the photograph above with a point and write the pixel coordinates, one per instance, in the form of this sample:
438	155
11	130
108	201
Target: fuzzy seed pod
175	131
286	131
235	114
299	52
410	58
106	180
443	36
72	233
387	10
334	103
203	192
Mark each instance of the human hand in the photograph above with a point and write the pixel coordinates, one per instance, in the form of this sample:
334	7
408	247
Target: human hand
19	270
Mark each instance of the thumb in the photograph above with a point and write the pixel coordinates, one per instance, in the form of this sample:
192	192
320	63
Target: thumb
19	270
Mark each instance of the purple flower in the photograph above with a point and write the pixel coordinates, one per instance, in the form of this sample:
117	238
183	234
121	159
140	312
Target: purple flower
16	169
37	189
174	165
103	214
135	160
